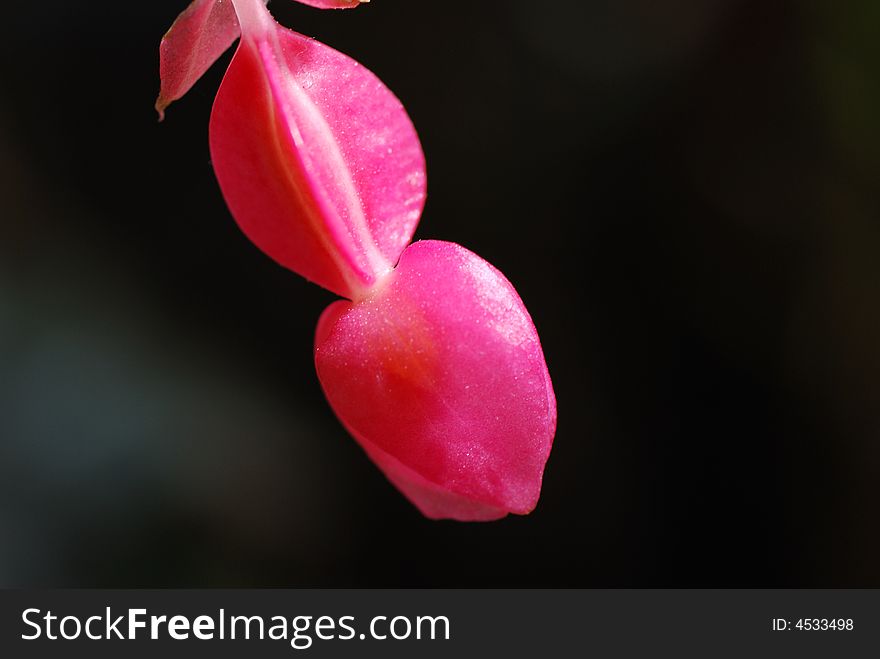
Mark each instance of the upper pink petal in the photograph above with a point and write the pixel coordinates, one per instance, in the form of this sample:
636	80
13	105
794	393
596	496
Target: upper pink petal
440	376
317	160
197	38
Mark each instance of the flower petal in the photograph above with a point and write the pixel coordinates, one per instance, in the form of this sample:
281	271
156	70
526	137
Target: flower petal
441	378
332	4
317	159
203	32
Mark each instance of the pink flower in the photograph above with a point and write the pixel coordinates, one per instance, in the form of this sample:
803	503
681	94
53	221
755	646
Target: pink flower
432	362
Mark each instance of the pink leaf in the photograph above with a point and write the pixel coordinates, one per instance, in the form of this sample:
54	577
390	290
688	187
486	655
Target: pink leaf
317	159
440	376
197	38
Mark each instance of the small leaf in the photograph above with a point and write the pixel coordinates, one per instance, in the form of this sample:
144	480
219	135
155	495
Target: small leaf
440	377
203	32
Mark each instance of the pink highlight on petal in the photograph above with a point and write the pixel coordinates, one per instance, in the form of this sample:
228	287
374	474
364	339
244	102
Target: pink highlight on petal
203	32
317	159
440	376
332	4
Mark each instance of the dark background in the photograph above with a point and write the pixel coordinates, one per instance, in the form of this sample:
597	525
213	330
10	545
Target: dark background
684	193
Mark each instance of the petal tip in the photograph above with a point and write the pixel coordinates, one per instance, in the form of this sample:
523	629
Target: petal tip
161	104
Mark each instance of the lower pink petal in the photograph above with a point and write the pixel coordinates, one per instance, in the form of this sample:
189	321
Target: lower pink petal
440	376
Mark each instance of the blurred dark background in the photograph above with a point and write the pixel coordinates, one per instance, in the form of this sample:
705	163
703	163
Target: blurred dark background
684	193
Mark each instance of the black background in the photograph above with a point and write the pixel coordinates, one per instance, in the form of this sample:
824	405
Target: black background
684	193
